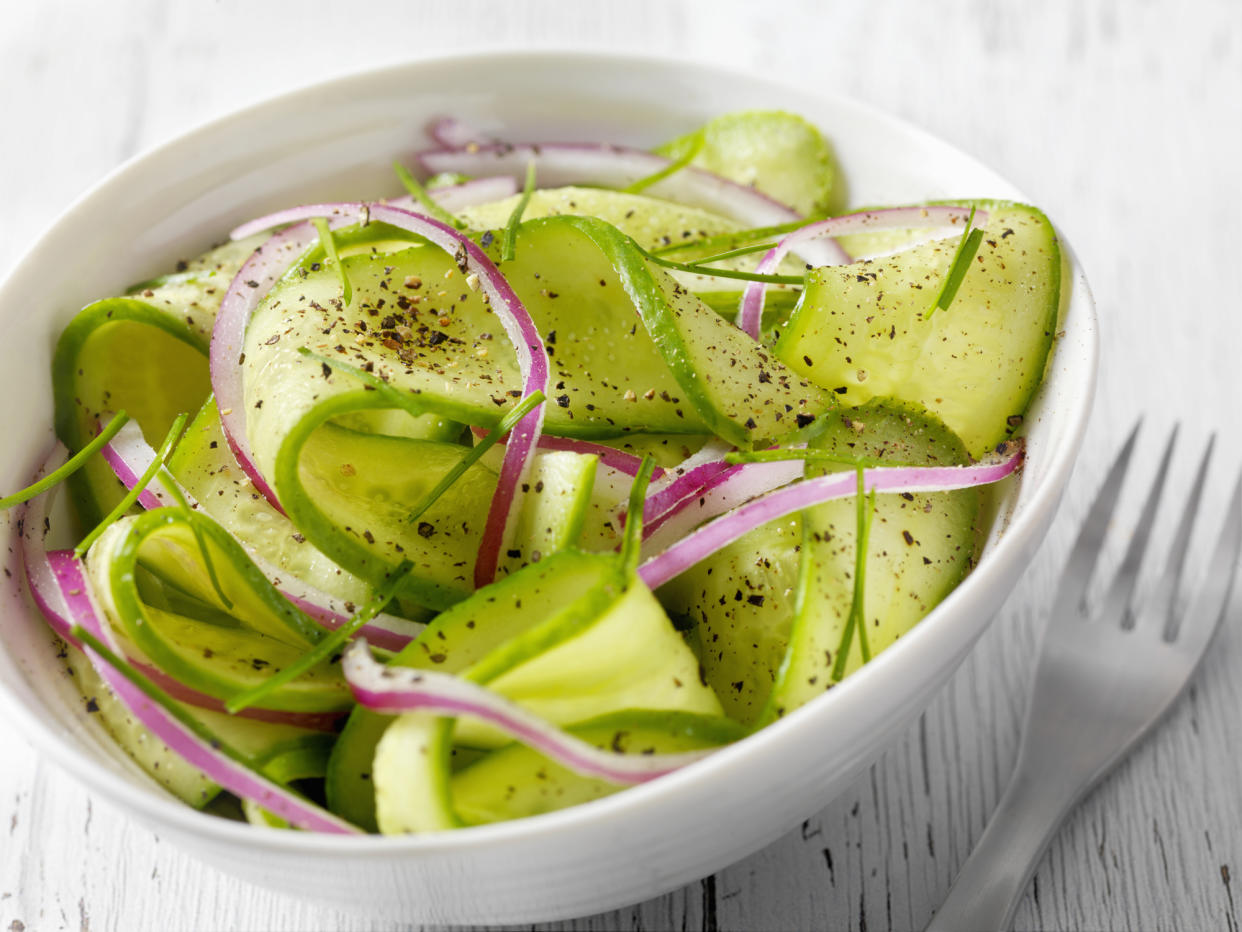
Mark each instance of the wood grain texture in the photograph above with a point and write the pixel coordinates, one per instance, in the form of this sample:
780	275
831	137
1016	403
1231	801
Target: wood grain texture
1122	119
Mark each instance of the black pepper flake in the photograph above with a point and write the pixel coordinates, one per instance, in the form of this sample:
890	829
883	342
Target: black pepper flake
369	537
327	370
756	600
513	554
562	400
92	705
807	360
437	337
805	419
763	376
750	423
426	528
486	239
907	537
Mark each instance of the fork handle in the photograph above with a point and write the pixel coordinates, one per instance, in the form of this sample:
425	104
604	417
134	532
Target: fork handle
993	879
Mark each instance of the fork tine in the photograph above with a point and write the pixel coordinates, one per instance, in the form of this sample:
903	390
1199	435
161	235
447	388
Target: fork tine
1116	603
1208	607
1162	606
1086	552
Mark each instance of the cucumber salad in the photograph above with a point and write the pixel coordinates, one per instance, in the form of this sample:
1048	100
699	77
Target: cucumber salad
554	474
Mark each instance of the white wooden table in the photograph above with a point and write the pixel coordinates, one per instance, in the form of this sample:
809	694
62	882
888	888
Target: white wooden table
1123	120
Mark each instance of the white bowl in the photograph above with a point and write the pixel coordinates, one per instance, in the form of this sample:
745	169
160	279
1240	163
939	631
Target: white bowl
336	141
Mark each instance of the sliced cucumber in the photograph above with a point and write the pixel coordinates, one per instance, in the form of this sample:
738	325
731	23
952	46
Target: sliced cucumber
610	650
778	153
555	501
217	660
278	744
863	330
204	465
516	781
741	603
454	641
919	547
146	354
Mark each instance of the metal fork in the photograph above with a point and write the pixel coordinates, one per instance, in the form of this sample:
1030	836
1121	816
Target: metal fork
1102	682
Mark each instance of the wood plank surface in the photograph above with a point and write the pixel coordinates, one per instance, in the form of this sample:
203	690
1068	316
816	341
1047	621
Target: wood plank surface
1122	119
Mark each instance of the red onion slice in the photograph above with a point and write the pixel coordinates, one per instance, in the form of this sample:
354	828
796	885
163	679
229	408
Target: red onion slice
750	312
532	363
129	455
729	527
254	280
451	197
60	589
559	164
452	133
393	690
730	487
686	478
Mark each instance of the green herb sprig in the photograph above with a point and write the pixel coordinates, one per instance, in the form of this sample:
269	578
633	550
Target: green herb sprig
507	423
967	246
419	193
328	242
508	246
632	542
699	269
857	619
158	463
328	646
72	465
670	169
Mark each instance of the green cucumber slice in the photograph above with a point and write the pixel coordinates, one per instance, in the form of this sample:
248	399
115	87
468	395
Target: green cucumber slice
457	639
651	222
919	548
740	601
862	330
204	465
278	743
728	381
515	781
217	660
778	153
610	650
145	353
555	501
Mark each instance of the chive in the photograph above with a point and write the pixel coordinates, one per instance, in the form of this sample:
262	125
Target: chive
325	648
671	169
734	253
967	246
507	423
728	239
724	273
328	242
161	455
632	542
161	698
785	453
76	462
419	193
175	491
857	617
509	246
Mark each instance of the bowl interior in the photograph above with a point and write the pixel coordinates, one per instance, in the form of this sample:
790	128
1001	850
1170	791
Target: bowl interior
337	141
